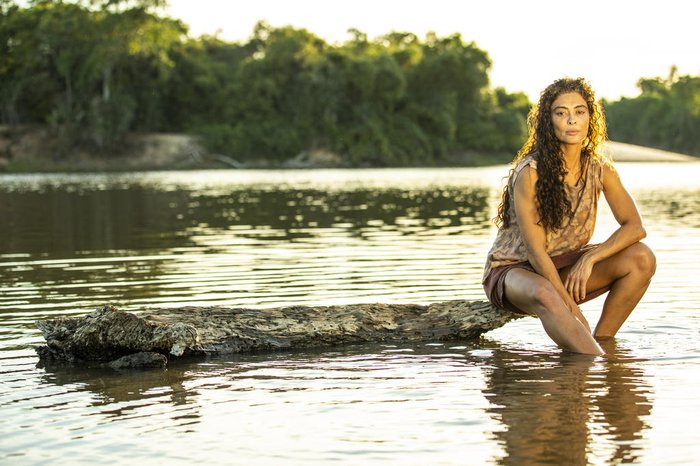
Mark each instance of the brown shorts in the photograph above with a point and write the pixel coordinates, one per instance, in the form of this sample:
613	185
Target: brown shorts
495	287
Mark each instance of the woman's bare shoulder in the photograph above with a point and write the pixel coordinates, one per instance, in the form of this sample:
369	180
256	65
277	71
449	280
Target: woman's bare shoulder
525	179
528	163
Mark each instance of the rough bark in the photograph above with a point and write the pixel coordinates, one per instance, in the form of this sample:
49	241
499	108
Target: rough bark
109	333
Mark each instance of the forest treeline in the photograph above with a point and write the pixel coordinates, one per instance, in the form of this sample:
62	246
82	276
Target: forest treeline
95	70
665	115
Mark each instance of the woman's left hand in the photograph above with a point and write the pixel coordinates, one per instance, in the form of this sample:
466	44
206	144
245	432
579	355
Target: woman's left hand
578	277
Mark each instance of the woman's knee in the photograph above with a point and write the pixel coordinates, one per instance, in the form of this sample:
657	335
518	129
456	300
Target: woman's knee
546	298
644	260
532	293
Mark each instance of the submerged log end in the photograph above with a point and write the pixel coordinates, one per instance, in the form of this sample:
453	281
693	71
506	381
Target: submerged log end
143	360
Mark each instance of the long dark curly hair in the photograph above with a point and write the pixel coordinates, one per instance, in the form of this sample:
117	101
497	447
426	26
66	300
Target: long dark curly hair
552	204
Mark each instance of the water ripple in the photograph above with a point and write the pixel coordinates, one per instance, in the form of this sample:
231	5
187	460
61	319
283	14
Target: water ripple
267	238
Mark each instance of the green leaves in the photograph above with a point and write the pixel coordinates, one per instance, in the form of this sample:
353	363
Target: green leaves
665	115
83	71
97	69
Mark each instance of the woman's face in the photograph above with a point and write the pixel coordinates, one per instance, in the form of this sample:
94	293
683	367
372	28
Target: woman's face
570	118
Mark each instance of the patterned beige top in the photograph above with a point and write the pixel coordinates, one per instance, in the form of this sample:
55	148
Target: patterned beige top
509	247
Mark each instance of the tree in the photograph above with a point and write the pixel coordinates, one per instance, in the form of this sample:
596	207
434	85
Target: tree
97	69
666	114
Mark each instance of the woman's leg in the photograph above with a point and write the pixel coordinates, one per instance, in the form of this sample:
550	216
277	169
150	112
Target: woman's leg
536	295
628	273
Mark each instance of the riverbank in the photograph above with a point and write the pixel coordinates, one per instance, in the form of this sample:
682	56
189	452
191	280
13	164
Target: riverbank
32	149
623	152
29	150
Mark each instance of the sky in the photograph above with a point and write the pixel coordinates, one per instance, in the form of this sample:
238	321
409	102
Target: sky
612	43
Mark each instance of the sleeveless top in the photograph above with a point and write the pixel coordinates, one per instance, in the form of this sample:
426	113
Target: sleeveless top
576	232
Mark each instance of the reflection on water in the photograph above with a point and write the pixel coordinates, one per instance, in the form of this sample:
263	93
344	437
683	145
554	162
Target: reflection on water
70	243
113	387
552	407
58	222
549	408
248	242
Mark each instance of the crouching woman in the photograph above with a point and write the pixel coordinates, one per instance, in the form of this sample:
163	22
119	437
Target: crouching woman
541	262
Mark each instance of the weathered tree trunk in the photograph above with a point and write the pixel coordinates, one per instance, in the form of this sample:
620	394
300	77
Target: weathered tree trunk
108	333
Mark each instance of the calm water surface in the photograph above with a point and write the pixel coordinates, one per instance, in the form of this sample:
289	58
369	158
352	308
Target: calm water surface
69	243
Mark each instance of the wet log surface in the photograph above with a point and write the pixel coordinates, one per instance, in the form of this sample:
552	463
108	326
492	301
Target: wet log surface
108	333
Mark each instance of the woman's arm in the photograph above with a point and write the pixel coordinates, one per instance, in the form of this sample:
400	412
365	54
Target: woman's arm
534	236
630	231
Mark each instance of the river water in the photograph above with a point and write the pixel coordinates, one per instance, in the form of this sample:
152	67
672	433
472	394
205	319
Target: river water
69	243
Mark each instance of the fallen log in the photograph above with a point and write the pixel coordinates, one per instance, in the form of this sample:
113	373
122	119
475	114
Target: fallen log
108	333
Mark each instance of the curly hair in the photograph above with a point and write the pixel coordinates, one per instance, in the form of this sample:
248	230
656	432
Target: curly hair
552	204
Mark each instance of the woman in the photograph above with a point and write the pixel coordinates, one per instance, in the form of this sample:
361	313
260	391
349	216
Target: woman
541	263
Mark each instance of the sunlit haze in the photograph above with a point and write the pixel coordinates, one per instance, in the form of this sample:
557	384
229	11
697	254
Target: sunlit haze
612	43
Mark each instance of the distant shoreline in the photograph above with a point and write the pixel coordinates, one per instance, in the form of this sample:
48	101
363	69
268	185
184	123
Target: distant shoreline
28	151
623	152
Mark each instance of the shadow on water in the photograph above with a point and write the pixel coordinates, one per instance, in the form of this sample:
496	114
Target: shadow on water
567	408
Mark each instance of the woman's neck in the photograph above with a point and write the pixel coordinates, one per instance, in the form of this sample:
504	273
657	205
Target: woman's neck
572	155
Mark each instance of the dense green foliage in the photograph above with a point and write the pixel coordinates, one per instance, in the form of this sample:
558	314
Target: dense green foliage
95	69
91	71
392	101
665	115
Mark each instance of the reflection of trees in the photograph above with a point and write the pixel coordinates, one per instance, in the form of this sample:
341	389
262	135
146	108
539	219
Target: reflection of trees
76	221
119	218
547	404
69	219
290	210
